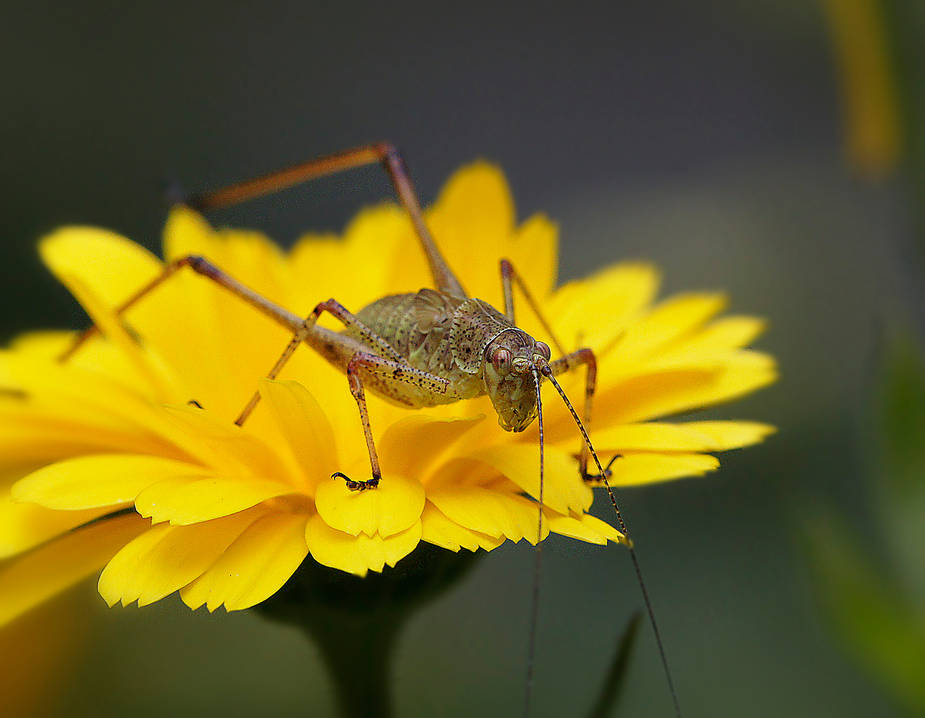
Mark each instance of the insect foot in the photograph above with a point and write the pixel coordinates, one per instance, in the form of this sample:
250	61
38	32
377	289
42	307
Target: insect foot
592	478
354	485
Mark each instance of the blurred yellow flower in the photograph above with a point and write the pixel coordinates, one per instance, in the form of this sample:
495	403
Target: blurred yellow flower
126	457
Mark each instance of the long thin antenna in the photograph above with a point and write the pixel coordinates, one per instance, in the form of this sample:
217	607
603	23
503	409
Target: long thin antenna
538	562
613	500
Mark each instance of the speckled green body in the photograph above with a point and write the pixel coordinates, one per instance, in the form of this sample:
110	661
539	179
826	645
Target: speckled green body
450	340
438	333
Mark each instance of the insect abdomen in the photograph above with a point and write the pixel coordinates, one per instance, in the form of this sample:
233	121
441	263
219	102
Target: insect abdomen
418	327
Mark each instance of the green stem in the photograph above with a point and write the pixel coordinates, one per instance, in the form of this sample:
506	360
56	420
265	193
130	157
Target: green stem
358	652
355	621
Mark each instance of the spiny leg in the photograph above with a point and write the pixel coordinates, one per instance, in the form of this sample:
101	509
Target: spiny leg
206	269
389	371
567	362
509	277
386	370
382	153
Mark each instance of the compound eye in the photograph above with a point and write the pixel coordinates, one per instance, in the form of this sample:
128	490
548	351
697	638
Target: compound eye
501	360
543	348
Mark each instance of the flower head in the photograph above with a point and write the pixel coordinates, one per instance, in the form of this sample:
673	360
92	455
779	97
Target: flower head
126	456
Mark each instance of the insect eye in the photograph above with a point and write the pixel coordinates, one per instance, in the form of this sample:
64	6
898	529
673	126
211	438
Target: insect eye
501	359
543	348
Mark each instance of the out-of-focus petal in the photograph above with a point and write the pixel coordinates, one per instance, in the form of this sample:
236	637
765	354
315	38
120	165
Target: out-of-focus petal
98	481
30	579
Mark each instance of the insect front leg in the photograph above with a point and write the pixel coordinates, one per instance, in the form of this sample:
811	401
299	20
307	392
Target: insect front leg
389	377
569	362
510	277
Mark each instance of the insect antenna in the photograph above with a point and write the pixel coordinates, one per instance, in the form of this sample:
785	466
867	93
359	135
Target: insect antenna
547	372
538	561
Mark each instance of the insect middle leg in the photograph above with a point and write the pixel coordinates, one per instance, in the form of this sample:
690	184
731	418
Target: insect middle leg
566	363
337	347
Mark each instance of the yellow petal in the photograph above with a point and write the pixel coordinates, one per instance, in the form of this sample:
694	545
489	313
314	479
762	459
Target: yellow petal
24	526
252	258
38	440
394	506
226	446
379	255
563	490
489	512
97	481
217	342
535	255
670	321
732	434
728	333
441	531
114	266
358	554
380	551
187	233
165	558
650	396
585	527
430	438
635	469
90	407
594	311
254	567
302	422
31	579
383	256
473	223
192	499
150	371
688	436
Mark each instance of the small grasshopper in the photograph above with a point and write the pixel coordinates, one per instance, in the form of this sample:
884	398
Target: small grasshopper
436	346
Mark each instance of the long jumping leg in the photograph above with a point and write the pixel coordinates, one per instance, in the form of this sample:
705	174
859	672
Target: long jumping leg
382	153
205	268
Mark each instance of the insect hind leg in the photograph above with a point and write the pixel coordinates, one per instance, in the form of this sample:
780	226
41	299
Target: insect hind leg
205	268
381	153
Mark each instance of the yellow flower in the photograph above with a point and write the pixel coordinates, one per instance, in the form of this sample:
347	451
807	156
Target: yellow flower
126	457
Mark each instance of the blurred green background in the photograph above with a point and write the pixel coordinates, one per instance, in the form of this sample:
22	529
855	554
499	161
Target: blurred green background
732	142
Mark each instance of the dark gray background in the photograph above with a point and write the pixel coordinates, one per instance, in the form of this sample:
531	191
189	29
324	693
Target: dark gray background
704	136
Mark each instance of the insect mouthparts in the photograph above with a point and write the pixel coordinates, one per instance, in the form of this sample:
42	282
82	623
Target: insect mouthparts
522	365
